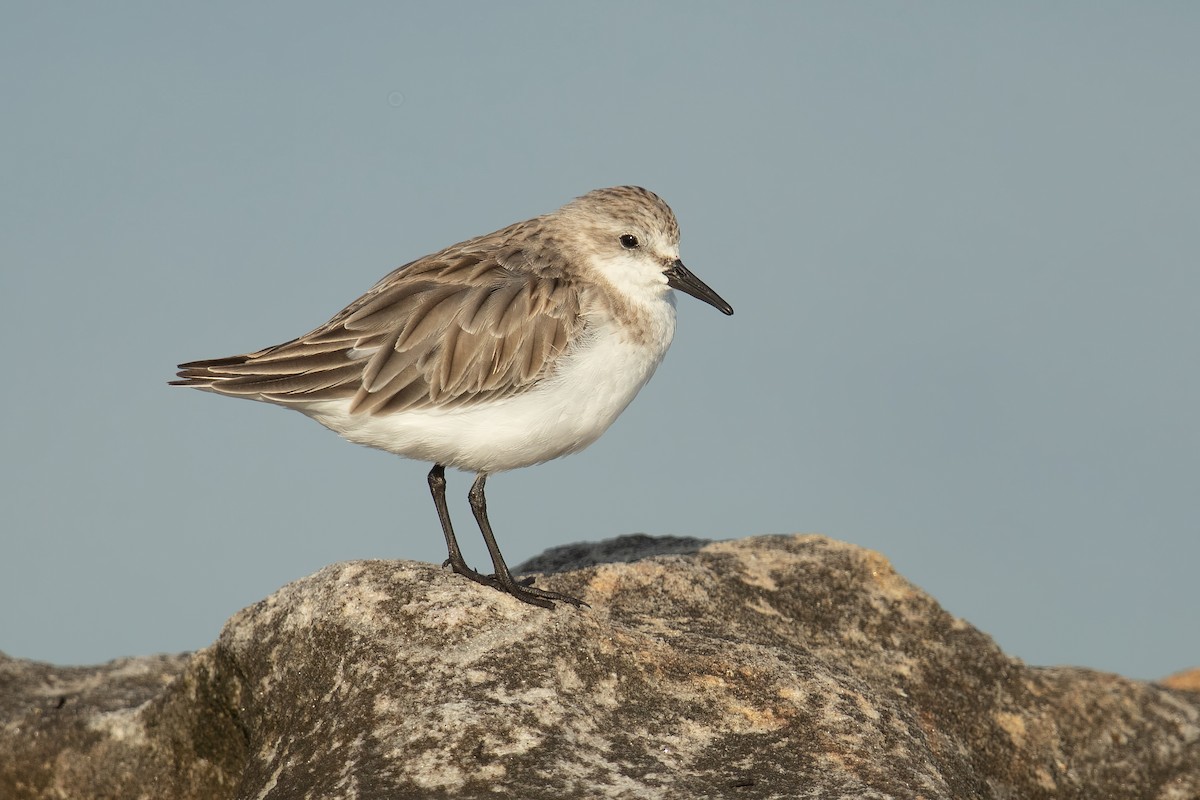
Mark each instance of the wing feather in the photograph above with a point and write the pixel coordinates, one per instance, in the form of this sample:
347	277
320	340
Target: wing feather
464	325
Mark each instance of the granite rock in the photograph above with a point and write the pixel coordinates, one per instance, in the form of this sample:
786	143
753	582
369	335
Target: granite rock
770	667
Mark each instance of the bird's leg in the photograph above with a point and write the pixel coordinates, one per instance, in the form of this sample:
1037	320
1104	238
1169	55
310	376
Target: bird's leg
437	485
504	579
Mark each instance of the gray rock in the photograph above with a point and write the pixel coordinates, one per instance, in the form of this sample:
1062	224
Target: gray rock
790	667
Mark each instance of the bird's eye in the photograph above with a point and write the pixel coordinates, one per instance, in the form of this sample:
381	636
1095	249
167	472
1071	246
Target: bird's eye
629	241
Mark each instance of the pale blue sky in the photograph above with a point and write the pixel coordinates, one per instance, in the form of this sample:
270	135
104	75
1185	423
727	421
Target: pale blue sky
961	241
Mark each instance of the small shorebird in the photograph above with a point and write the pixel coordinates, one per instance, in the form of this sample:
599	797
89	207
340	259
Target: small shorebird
499	352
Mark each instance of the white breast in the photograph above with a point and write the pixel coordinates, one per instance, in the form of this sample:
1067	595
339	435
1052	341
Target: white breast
565	413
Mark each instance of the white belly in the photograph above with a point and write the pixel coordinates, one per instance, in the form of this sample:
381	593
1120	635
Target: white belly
562	415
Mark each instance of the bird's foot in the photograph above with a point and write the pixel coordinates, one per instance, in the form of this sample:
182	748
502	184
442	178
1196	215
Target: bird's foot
522	589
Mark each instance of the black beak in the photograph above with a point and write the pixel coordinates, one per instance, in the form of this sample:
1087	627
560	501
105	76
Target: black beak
678	277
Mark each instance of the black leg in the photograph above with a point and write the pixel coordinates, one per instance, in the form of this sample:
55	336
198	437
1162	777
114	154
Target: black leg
437	485
503	578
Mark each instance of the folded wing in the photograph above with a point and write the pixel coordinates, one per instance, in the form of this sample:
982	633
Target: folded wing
445	331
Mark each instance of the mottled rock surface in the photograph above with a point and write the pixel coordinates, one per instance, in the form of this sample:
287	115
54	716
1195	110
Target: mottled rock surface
790	667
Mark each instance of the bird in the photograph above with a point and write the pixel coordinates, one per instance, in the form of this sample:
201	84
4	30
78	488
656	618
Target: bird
500	352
